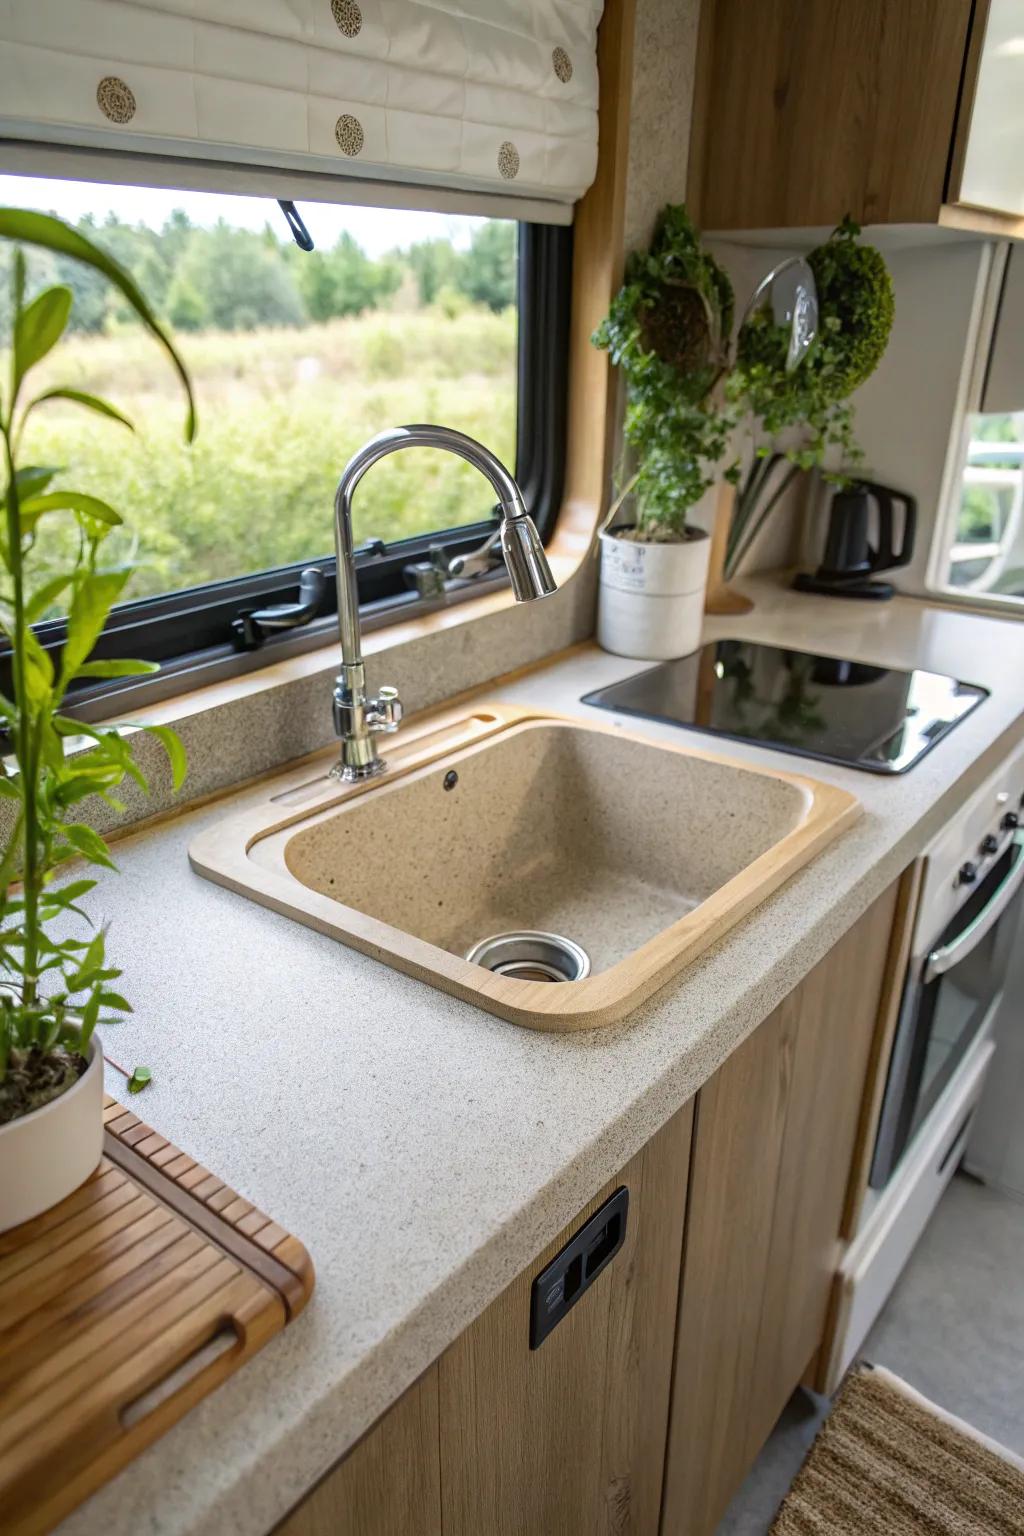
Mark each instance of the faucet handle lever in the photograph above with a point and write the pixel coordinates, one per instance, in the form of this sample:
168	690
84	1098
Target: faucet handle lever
384	713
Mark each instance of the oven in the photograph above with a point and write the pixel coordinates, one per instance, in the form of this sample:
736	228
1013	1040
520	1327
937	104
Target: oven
950	994
964	938
964	929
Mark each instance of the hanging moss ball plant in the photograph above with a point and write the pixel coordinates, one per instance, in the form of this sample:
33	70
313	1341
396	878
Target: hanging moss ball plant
855	296
802	413
856	309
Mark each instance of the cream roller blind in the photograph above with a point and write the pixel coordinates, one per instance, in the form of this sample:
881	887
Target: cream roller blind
496	98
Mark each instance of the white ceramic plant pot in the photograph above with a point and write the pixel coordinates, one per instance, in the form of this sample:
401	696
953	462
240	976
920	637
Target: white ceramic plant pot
651	596
47	1154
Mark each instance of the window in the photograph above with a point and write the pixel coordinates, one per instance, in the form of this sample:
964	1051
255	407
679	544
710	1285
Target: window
297	358
980	549
987	553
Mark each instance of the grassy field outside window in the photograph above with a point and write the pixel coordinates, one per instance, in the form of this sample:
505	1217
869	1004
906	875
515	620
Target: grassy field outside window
352	346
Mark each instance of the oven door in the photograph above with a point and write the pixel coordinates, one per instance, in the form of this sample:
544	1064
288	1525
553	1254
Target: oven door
947	998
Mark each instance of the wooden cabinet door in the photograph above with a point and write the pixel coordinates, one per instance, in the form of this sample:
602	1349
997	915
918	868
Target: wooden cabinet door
833	1016
774	1136
570	1437
497	1439
389	1484
808	110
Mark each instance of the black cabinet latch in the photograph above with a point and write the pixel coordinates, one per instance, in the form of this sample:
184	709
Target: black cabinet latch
559	1286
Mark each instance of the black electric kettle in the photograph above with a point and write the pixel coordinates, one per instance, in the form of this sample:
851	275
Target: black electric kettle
850	560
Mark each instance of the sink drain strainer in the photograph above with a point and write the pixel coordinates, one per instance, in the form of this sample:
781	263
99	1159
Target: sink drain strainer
530	956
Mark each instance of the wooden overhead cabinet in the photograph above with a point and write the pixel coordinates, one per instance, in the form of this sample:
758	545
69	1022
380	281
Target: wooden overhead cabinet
891	111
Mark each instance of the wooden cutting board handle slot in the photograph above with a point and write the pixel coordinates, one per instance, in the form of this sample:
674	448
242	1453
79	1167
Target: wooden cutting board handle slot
225	1337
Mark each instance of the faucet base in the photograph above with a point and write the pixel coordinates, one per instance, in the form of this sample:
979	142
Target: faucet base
355	773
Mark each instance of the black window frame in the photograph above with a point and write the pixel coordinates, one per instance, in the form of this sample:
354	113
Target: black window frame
189	632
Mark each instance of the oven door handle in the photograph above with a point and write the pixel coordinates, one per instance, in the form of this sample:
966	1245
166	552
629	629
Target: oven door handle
942	960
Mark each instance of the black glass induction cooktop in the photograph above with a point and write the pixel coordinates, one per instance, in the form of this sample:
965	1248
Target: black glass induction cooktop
847	712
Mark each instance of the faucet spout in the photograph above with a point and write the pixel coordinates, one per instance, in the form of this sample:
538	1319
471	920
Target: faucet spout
358	719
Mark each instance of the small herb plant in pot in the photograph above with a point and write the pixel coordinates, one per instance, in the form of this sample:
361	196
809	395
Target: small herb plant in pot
668	330
56	983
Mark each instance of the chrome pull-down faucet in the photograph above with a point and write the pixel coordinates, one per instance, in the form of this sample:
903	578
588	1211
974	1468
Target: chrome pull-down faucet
358	719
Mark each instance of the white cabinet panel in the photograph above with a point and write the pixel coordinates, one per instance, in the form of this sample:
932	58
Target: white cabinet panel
993	173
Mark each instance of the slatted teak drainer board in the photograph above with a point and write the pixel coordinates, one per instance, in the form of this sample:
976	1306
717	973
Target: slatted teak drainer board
120	1309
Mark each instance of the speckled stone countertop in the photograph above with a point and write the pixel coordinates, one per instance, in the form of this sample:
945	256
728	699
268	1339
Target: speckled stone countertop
423	1150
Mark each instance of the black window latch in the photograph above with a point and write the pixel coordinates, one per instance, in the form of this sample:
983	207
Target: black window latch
300	234
252	627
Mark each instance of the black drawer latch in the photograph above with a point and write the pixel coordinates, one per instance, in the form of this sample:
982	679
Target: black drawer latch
559	1286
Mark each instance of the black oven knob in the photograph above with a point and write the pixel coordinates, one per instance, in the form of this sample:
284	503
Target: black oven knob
968	874
989	845
1010	822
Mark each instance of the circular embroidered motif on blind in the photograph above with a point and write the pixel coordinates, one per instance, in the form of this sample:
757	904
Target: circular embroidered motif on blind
115	99
508	160
348	16
562	65
348	131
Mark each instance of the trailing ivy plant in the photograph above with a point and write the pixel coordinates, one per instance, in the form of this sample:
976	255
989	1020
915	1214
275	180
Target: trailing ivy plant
55	987
668	329
802	414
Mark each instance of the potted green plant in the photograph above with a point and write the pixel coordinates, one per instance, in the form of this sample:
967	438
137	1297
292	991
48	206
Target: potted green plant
668	330
800	417
56	985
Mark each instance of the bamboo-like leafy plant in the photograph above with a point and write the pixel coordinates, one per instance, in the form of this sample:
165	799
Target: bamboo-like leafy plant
56	987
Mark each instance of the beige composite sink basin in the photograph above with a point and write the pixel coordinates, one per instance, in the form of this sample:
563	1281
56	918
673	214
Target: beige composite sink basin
643	854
